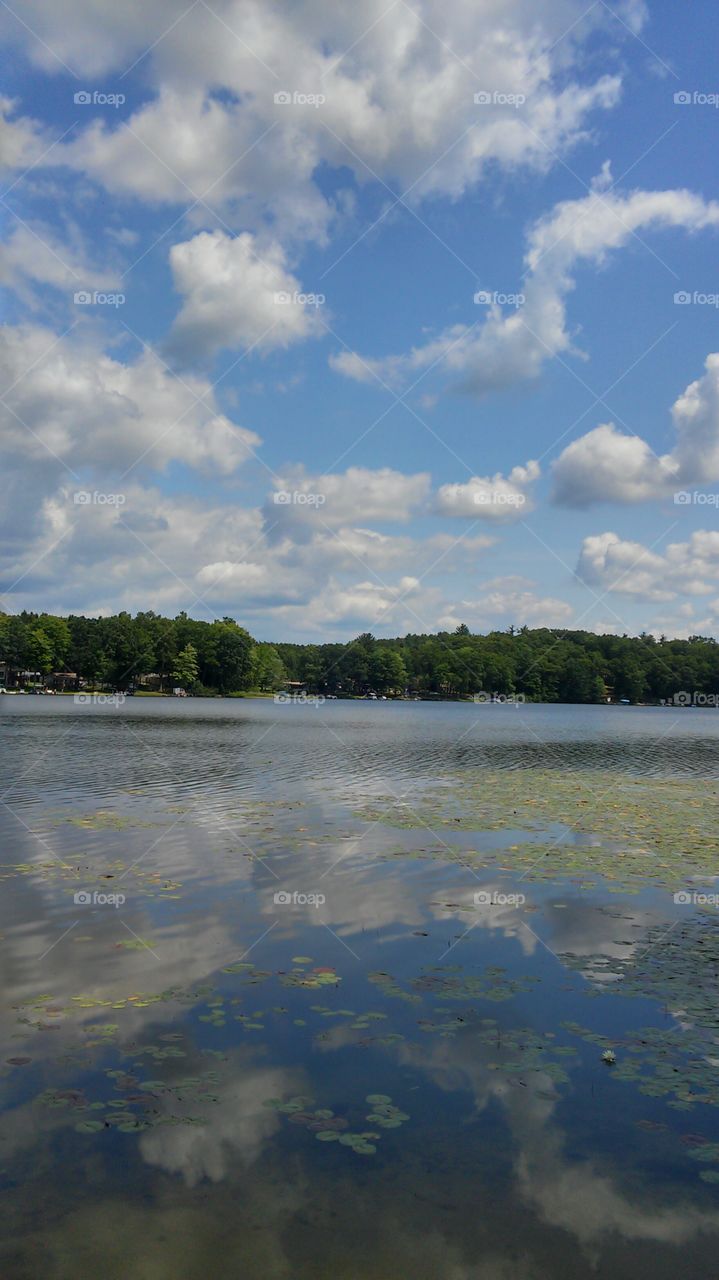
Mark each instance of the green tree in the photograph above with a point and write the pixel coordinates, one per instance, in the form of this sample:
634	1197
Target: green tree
38	652
186	667
57	632
228	660
268	669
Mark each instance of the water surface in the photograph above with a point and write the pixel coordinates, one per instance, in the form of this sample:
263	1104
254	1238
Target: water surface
294	992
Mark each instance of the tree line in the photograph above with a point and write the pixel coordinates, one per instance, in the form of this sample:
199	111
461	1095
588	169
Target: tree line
221	657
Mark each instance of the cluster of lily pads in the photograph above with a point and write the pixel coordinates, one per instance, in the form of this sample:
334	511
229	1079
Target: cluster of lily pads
136	1111
657	829
384	1113
328	1127
79	873
663	1063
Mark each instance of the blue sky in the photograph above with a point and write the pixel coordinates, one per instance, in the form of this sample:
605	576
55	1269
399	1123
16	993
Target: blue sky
436	459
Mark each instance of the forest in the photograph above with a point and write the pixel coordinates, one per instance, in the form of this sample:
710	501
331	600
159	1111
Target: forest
221	658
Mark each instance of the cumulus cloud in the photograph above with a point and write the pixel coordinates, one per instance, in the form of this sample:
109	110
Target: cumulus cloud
33	257
510	347
629	568
606	465
302	502
506	606
69	401
237	293
22	139
498	497
398	86
215	558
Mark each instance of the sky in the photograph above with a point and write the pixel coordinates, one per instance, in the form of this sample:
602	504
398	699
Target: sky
339	317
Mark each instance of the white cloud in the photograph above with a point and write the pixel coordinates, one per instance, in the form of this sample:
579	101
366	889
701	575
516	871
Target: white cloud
69	401
215	558
493	608
497	497
629	568
238	293
513	346
358	494
32	257
605	465
21	139
398	84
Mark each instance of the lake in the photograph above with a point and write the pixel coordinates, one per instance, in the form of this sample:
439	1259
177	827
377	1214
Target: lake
364	990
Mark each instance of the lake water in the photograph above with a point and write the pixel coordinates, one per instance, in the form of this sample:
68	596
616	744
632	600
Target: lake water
296	992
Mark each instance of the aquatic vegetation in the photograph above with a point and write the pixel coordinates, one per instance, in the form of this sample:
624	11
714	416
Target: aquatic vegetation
136	1112
328	1127
656	829
449	982
321	976
677	966
106	820
384	1113
677	1064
